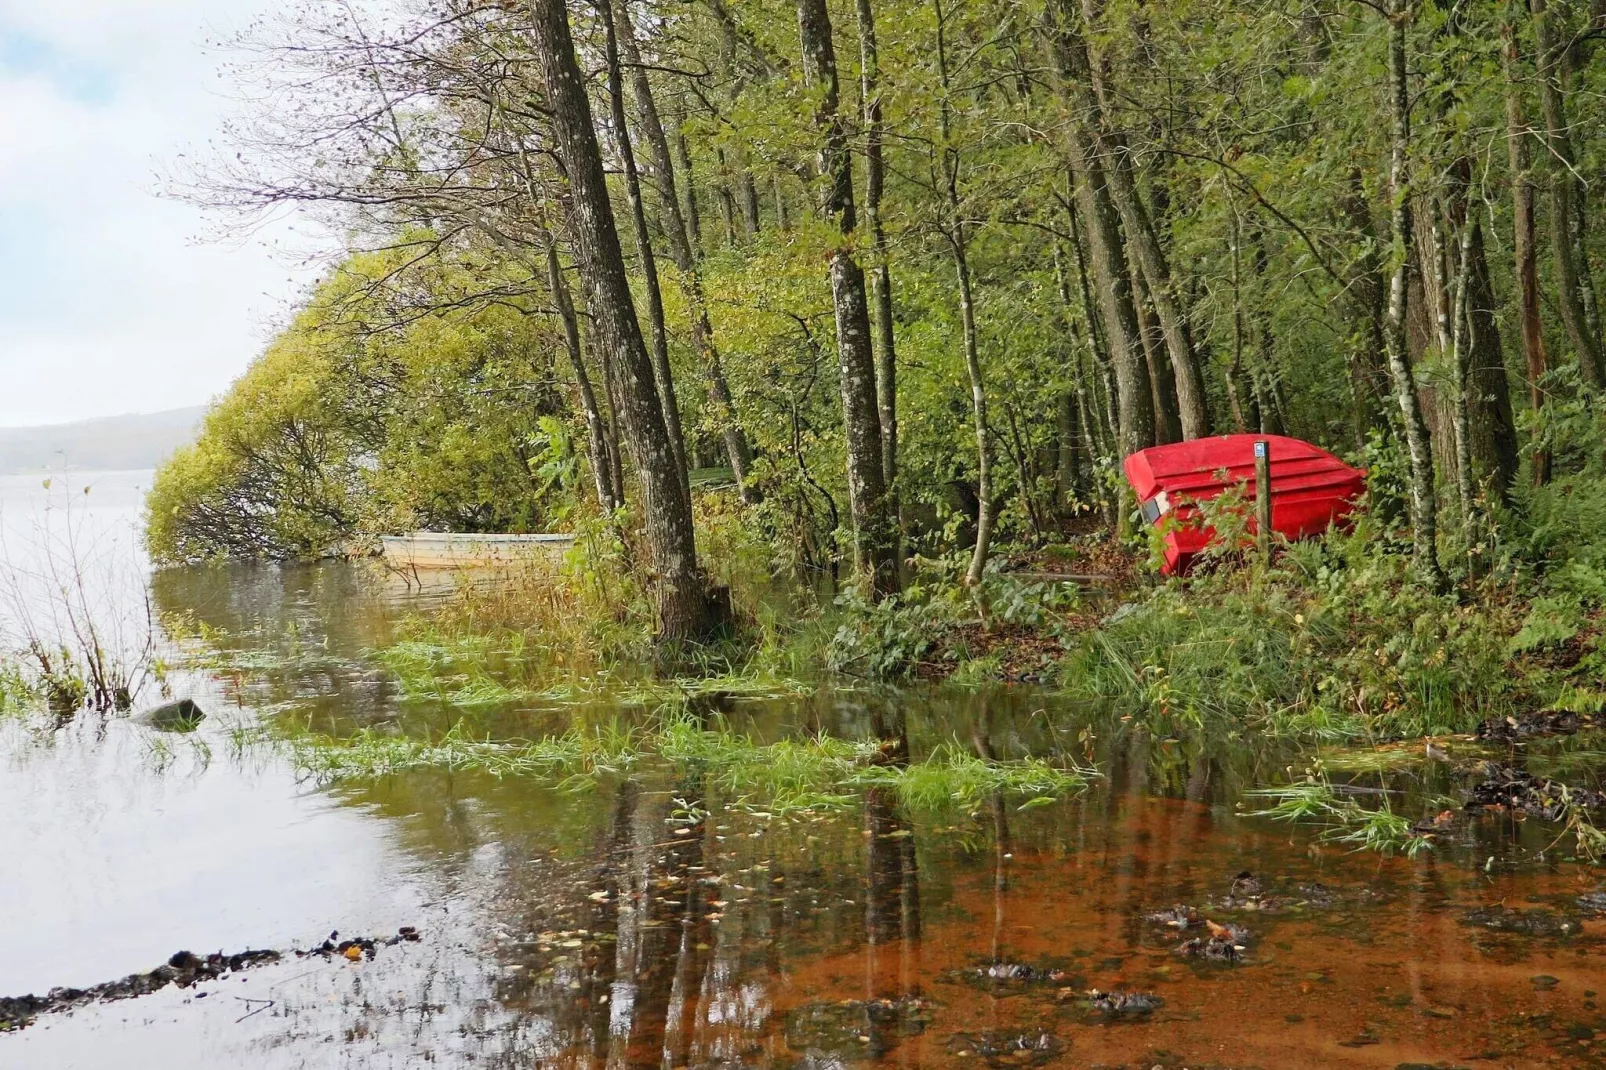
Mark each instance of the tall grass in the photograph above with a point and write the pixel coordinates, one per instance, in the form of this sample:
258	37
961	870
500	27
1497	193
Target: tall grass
76	613
1335	642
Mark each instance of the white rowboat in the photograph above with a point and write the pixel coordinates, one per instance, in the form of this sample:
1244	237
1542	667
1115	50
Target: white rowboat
450	549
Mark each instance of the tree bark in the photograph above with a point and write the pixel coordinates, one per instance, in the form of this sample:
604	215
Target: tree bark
875	530
662	373
609	495
1111	279
1493	443
694	219
881	275
685	610
1162	381
1169	306
1424	505
1365	360
954	231
1575	290
1525	245
682	252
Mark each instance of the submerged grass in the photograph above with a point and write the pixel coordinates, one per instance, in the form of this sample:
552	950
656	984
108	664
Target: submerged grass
1347	821
787	776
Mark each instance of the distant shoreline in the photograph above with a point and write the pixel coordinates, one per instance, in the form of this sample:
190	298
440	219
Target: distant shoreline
114	443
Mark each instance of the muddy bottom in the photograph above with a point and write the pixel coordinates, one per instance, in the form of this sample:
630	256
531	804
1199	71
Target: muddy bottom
1002	939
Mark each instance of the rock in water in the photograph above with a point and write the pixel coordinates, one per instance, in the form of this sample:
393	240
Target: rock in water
182	715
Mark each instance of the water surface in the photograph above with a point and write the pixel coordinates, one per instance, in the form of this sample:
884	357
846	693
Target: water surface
657	920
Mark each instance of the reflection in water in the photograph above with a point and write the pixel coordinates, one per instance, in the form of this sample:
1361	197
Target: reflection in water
659	921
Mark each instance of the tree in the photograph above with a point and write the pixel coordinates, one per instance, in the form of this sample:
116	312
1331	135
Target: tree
685	609
875	528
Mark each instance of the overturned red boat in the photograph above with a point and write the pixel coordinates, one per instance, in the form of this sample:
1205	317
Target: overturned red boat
1311	490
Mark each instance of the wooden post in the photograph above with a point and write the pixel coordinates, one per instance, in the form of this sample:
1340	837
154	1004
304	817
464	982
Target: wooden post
1263	499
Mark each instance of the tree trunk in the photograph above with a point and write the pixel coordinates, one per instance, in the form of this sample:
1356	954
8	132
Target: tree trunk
685	610
875	529
1162	381
663	376
954	231
1493	431
978	406
694	219
881	276
1365	360
609	495
1575	290
1111	280
1525	246
1424	506
1460	365
1192	403
1098	350
682	251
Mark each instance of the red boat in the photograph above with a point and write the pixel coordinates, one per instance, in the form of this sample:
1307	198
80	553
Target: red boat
1311	490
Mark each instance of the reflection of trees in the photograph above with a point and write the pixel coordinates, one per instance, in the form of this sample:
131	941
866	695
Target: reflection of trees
276	632
892	883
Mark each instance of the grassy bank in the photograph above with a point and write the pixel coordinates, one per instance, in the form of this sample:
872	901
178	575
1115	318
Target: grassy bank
1334	640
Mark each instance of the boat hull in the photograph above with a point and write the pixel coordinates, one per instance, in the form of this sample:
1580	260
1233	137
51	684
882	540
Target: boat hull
1311	490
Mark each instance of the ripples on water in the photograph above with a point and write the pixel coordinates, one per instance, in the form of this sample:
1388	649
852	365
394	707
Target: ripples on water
653	922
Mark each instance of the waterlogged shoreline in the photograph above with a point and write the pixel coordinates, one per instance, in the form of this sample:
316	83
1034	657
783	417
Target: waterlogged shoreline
961	873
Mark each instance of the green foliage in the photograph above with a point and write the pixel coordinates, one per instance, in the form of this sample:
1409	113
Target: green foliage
363	418
1340	625
1348	822
786	776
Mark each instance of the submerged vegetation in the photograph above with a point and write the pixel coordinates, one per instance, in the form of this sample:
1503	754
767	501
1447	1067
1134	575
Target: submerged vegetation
782	777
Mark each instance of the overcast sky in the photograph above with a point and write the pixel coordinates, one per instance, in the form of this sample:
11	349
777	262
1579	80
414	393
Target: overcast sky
108	302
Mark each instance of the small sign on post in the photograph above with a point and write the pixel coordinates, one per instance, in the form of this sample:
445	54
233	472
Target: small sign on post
1263	499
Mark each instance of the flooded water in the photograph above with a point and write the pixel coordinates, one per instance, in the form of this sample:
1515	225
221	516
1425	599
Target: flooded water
655	920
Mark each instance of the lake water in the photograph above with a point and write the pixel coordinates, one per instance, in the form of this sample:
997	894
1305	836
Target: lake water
656	921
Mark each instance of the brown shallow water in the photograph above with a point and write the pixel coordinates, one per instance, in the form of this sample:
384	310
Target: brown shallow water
658	922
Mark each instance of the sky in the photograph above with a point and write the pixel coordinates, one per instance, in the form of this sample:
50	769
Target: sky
113	299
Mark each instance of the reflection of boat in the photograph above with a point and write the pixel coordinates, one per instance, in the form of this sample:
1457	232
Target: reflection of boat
451	549
1311	490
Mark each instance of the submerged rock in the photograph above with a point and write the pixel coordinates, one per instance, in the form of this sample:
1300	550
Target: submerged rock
1226	943
1179	916
1593	902
1117	1005
181	715
183	968
834	1031
1007	1049
1522	922
998	974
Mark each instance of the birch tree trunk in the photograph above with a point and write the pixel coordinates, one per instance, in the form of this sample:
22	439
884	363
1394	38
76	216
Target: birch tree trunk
881	276
662	374
875	529
609	495
1575	291
1424	505
955	231
1111	279
1169	307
